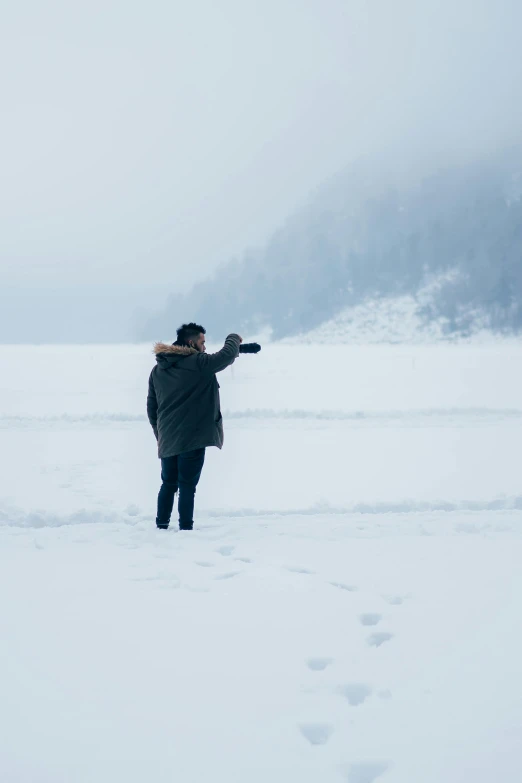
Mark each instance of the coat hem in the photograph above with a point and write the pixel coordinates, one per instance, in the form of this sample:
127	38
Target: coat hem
193	448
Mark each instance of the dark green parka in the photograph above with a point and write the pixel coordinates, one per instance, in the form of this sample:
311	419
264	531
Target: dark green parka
183	400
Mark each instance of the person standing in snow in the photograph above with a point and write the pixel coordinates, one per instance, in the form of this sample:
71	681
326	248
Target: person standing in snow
184	410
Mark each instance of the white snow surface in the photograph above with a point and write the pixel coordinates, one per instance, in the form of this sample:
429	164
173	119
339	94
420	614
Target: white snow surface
347	609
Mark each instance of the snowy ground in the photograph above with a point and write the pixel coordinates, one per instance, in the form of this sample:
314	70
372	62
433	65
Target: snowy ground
348	609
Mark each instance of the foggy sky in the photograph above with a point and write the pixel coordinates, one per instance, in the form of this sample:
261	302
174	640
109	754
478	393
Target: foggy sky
143	143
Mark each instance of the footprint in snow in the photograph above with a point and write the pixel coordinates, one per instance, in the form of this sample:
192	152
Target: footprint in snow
204	564
378	638
394	600
226	551
355	693
342	586
316	733
243	560
367	772
298	570
370	618
169	585
318	664
228	575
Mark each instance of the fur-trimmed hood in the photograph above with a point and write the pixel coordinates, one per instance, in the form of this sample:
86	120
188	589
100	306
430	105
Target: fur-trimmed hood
168	356
178	350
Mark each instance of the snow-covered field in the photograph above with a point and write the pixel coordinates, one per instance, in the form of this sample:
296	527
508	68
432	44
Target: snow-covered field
347	610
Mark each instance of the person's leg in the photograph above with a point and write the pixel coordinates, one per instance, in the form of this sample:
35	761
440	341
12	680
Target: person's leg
169	487
190	465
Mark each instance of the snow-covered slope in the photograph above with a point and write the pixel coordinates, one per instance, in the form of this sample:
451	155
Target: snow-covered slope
400	319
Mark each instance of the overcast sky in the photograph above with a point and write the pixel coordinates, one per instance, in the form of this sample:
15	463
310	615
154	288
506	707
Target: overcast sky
142	143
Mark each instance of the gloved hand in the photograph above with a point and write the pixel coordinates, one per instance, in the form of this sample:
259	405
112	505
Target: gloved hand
249	348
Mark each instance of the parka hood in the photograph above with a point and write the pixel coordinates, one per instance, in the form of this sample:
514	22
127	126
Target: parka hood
167	355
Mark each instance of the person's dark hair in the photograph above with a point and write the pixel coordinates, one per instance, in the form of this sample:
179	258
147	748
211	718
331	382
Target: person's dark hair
188	332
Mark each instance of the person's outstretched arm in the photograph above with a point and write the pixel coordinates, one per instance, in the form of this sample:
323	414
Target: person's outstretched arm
215	362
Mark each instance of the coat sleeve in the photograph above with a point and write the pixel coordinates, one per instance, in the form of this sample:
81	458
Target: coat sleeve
152	406
215	362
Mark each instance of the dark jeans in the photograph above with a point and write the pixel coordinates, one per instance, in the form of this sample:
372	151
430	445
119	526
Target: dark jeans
180	472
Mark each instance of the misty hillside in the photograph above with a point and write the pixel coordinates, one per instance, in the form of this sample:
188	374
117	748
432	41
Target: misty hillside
360	239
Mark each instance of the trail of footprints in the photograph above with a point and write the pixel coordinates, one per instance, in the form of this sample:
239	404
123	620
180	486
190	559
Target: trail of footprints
356	693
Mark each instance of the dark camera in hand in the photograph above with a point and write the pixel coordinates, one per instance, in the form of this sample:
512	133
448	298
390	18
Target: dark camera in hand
249	348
